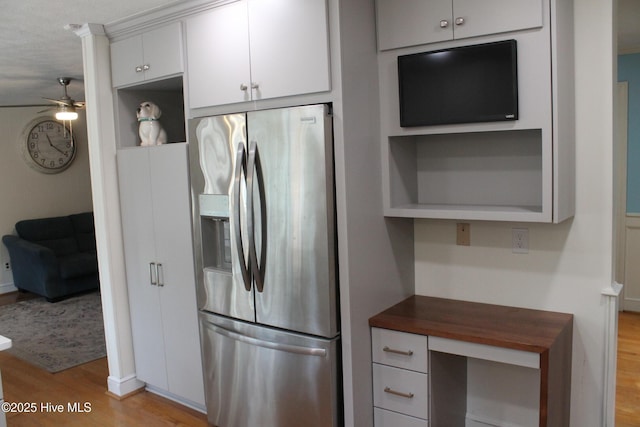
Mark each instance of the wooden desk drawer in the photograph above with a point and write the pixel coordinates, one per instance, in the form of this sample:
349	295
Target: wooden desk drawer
401	391
400	349
384	418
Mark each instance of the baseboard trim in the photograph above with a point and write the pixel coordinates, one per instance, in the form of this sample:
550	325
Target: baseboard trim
181	400
5	288
115	396
123	387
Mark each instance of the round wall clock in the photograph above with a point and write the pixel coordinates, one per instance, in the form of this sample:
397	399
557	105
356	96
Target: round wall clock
48	145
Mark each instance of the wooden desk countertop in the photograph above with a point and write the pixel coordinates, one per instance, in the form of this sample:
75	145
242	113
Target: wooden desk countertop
496	325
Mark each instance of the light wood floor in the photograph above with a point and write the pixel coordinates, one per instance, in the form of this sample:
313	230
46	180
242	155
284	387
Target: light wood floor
628	372
26	384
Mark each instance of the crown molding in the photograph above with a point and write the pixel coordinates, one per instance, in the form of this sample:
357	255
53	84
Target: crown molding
141	22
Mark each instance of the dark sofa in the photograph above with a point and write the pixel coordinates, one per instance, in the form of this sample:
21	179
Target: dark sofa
54	257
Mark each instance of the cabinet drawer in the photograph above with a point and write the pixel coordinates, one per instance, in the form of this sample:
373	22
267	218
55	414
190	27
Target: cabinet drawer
400	349
384	418
401	391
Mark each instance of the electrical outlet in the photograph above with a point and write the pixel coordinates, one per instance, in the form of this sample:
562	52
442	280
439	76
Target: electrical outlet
463	234
7	266
520	240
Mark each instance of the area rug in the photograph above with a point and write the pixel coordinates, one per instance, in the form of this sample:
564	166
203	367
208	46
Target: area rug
55	336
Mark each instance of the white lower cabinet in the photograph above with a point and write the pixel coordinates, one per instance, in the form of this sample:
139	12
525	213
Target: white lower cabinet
400	378
384	418
155	209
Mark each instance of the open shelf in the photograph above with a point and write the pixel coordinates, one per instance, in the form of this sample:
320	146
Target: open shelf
494	175
167	93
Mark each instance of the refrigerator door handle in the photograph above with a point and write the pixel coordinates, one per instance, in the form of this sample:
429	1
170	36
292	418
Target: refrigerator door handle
241	166
296	349
254	173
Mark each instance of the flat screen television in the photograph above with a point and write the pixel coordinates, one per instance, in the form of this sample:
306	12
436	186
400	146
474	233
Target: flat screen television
468	84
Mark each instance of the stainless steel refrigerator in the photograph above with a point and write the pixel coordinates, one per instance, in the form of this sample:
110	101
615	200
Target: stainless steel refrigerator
265	247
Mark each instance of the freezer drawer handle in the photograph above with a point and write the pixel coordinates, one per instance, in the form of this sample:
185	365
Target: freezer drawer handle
398	393
306	351
241	166
393	350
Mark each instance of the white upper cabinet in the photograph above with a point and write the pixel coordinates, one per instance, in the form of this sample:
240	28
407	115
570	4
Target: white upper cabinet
415	22
217	56
257	49
148	56
289	47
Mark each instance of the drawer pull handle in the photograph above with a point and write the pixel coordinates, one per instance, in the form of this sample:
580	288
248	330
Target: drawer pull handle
398	393
402	352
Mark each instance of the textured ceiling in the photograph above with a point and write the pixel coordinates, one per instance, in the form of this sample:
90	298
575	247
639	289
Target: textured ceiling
35	49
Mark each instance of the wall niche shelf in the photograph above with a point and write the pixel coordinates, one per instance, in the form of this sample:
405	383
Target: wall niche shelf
478	175
167	93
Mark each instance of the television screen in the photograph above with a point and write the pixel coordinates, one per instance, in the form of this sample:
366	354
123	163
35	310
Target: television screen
466	84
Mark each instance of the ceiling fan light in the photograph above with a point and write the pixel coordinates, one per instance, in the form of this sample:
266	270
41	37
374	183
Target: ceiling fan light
66	113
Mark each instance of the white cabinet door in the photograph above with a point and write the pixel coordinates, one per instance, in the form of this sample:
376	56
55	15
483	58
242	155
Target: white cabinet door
289	47
139	243
495	16
156	53
257	49
174	254
154	192
415	22
126	60
218	56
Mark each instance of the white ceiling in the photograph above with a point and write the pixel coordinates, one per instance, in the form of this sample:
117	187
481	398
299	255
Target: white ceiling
36	49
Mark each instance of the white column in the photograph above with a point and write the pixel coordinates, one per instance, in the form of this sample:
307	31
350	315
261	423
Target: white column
106	205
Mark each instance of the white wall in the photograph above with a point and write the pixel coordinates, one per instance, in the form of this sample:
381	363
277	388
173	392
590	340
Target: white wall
25	193
568	264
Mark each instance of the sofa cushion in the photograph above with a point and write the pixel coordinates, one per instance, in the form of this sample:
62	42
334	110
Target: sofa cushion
55	233
79	264
84	231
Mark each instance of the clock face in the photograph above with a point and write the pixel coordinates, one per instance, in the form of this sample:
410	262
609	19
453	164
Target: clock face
50	146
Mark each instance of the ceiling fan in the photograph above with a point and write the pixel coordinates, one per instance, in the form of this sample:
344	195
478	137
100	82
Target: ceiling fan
66	106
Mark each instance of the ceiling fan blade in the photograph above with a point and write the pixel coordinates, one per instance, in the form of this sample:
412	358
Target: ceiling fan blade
79	104
57	101
45	110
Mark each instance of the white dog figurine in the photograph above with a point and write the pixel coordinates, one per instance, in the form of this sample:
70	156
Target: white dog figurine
150	129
